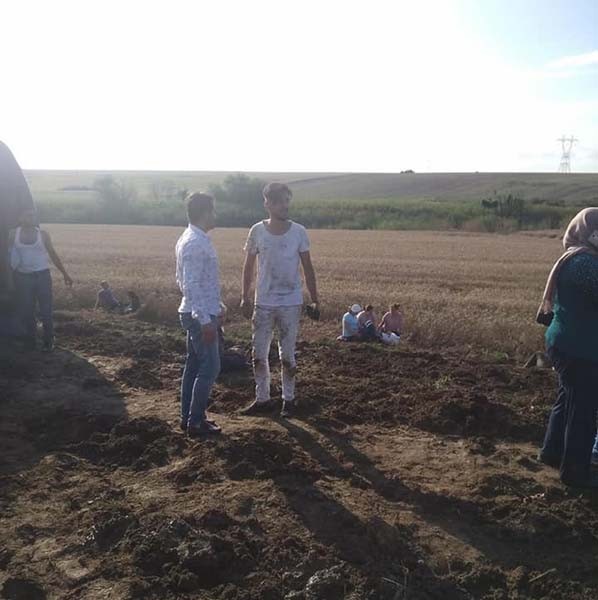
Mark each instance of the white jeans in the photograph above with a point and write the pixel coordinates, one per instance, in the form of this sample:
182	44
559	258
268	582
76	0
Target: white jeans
285	319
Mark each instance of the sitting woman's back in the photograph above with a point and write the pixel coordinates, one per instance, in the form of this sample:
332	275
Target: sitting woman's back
367	323
392	321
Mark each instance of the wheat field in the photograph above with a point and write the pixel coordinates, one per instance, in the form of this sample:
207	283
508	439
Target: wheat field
475	292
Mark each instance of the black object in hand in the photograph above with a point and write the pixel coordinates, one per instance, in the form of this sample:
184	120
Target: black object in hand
313	312
544	318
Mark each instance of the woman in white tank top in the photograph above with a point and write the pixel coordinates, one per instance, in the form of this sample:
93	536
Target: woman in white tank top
30	252
29	258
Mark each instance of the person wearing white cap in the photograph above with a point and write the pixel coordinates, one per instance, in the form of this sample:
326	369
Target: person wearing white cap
350	324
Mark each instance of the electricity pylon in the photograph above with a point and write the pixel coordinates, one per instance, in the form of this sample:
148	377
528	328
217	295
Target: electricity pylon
566	145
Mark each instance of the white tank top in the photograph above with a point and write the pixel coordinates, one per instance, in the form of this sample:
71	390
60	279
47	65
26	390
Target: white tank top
30	258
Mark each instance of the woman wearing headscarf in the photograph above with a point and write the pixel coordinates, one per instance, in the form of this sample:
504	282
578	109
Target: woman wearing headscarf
570	309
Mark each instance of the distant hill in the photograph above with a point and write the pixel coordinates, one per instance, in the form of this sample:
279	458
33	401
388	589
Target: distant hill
322	200
570	188
574	189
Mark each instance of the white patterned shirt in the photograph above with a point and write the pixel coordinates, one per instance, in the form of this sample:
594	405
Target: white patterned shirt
279	264
197	275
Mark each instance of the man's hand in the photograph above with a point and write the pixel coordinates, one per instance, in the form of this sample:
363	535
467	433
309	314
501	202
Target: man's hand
247	308
67	280
313	311
208	333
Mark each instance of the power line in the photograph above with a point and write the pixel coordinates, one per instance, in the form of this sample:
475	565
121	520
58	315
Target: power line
567	146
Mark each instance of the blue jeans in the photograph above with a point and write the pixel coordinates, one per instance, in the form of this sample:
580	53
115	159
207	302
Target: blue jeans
35	288
201	369
571	430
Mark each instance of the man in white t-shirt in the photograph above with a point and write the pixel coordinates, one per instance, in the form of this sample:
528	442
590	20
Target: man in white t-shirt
282	248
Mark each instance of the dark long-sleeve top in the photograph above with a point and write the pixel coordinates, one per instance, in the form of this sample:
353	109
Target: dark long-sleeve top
574	328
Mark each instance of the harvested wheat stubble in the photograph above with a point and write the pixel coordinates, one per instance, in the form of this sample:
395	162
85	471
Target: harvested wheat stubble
456	289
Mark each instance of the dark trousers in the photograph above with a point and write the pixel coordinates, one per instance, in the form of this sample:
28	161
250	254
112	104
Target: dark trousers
572	424
369	333
35	289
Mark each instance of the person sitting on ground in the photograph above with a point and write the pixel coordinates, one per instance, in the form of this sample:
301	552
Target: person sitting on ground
232	358
391	325
134	303
366	320
350	325
106	298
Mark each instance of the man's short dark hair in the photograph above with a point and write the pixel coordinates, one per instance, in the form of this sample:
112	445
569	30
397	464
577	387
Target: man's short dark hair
275	191
198	203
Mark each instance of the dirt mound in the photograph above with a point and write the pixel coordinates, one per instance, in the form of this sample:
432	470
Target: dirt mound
193	558
263	453
471	414
368	383
77	329
139	443
105	439
520	509
200	468
140	374
16	588
165	557
54	429
110	526
113	335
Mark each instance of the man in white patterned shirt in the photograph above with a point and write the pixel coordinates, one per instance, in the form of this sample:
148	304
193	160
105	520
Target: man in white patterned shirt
198	280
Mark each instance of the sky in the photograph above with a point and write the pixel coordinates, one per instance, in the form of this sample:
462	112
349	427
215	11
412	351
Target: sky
310	85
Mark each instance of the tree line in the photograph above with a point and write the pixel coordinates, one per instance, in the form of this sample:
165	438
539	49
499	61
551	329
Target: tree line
114	200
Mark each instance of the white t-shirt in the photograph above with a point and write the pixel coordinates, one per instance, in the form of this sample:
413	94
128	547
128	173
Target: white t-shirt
350	325
278	260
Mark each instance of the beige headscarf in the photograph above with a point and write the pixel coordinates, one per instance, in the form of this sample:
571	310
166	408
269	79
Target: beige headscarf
575	241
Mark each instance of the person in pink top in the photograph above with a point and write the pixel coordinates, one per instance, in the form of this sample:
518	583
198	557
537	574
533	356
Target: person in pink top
392	321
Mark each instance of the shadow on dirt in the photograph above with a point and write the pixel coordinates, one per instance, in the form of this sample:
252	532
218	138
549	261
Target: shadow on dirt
510	521
381	552
47	402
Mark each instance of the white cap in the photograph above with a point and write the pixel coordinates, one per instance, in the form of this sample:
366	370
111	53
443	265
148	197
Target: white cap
355	308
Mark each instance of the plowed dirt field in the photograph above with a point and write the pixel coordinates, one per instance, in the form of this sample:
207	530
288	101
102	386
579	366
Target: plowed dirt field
406	474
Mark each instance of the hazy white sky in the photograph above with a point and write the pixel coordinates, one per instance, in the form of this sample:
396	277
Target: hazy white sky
326	85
